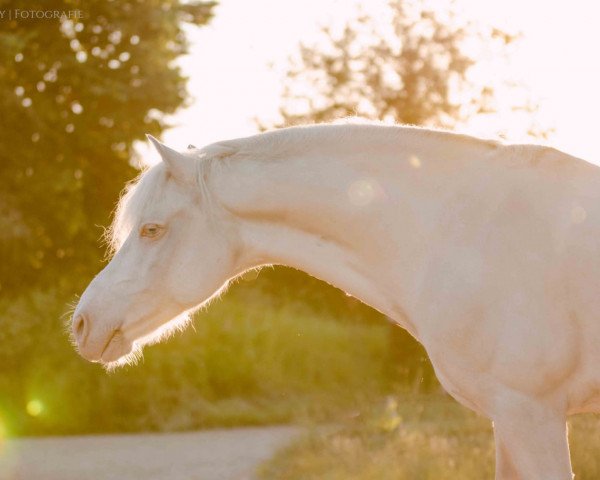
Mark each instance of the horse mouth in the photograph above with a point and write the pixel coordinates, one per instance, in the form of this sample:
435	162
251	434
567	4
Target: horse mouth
116	347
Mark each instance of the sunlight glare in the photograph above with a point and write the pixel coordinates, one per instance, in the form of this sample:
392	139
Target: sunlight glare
558	69
2	431
3	435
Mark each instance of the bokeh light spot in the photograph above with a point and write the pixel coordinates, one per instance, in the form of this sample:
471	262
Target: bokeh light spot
81	56
414	161
76	108
34	407
362	192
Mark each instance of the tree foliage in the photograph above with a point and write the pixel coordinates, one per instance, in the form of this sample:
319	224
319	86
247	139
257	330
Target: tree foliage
75	95
411	64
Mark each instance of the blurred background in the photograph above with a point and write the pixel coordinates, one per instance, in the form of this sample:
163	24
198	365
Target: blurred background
77	96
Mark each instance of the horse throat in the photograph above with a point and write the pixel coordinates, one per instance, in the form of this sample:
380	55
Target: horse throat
319	215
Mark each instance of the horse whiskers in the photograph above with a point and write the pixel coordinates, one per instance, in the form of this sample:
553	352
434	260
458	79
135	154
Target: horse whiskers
131	359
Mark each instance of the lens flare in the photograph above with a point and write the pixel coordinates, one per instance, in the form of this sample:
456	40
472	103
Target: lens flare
364	191
414	161
34	407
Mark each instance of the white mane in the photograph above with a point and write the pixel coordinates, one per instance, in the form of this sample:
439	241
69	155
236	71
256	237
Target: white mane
347	133
129	207
268	146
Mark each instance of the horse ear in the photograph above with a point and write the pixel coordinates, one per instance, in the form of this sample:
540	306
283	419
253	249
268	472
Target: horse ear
181	167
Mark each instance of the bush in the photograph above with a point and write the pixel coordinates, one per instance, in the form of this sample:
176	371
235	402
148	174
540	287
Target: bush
249	359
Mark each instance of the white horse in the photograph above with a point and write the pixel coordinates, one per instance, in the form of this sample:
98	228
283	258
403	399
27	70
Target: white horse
488	254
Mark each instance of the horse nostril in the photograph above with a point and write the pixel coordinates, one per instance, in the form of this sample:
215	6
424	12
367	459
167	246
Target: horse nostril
79	328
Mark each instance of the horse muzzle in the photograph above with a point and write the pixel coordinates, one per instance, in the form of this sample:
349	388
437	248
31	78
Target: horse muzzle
96	342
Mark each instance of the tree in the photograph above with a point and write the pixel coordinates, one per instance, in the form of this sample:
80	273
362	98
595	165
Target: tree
75	94
419	68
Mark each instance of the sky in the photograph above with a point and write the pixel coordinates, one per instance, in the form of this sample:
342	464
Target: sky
237	63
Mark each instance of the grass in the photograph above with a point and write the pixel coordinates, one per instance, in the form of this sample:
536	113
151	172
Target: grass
247	360
422	437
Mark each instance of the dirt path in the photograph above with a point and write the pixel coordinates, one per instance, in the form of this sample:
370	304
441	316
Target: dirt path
228	454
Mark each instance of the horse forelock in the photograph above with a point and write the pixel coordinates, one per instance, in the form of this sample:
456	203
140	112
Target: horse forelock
133	199
136	195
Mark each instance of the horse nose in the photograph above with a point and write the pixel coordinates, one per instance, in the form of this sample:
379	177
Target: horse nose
80	328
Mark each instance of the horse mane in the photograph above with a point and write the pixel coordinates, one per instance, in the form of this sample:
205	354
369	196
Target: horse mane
134	197
350	133
277	144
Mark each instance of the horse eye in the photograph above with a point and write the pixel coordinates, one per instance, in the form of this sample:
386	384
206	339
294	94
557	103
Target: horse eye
151	230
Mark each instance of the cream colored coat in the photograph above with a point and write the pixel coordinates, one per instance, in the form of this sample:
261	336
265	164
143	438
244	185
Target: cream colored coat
489	254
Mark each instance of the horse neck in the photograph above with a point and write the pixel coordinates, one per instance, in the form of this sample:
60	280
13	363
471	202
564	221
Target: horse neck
344	215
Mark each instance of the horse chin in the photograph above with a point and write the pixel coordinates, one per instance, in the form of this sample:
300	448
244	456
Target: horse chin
120	352
164	331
